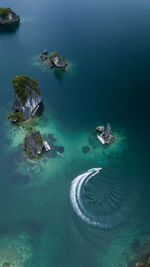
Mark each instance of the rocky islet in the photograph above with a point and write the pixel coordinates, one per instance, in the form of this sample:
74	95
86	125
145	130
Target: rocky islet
54	60
8	17
33	144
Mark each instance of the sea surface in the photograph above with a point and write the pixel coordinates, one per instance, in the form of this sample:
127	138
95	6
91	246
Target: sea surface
107	45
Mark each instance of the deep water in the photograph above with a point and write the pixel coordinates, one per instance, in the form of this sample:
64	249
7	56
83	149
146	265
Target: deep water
108	46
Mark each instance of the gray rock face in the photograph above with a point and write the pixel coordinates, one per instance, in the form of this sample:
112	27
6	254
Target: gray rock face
30	105
33	144
44	54
27	98
12	18
57	61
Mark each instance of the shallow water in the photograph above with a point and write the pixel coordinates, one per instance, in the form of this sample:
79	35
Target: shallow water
107	44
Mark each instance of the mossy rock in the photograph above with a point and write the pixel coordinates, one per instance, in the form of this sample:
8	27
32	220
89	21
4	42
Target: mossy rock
23	87
33	144
53	54
4	12
16	117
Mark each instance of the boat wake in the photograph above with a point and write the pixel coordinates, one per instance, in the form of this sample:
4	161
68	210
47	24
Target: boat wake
107	218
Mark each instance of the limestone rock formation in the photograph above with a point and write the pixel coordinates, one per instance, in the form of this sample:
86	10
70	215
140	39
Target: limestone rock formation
8	17
27	98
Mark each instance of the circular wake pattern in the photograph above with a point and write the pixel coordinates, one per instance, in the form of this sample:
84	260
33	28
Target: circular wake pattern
102	202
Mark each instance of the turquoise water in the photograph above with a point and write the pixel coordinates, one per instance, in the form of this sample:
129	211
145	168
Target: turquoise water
107	44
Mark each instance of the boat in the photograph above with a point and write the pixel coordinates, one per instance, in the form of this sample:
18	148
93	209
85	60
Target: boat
35	110
60	154
101	139
46	145
95	170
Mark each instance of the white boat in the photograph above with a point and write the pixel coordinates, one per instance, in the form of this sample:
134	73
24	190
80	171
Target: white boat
95	170
46	145
101	139
35	110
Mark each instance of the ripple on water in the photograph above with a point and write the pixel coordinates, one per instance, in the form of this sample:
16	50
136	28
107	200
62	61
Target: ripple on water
104	201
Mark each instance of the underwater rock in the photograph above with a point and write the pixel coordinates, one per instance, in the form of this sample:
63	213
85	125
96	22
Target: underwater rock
60	149
136	246
55	60
85	149
33	227
33	144
93	140
6	264
8	17
27	98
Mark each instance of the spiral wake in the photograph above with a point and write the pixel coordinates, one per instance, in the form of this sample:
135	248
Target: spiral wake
114	209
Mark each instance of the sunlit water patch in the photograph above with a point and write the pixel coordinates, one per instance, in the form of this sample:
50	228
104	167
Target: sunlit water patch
15	251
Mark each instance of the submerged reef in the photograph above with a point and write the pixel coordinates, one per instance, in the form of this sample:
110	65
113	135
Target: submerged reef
54	60
85	149
15	251
141	252
27	97
8	17
33	144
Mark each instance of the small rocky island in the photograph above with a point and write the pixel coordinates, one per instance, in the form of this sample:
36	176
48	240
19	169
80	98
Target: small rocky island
33	144
8	17
27	98
106	136
54	60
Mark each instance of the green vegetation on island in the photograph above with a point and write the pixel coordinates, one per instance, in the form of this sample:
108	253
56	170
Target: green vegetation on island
4	12
54	54
33	144
54	60
16	116
24	86
8	17
27	98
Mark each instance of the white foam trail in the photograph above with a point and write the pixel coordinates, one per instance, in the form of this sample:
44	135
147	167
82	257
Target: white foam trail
104	221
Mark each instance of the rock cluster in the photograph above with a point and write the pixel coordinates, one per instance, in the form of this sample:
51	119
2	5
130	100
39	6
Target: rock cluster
8	17
54	60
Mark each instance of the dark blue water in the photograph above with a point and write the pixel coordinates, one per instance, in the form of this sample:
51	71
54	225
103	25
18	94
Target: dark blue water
107	44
